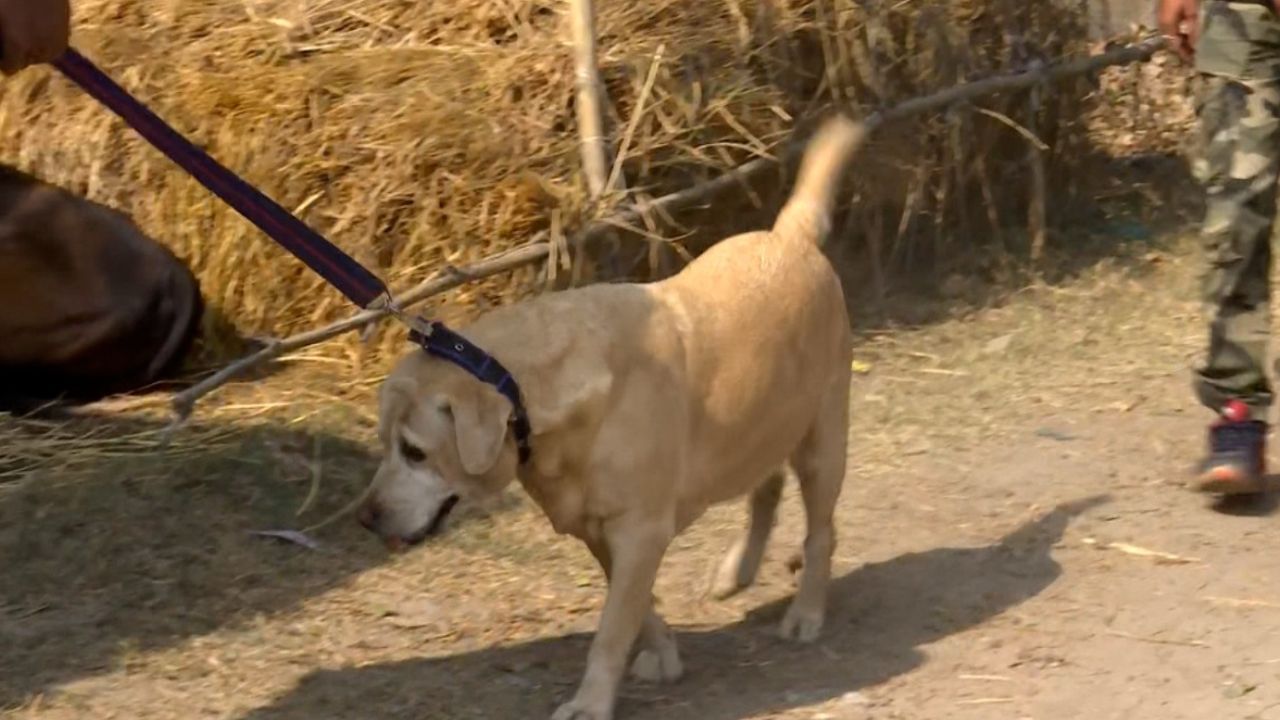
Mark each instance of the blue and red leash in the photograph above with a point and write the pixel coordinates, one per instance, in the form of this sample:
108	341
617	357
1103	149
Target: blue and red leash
338	268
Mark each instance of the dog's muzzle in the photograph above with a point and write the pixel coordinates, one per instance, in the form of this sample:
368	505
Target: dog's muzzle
370	515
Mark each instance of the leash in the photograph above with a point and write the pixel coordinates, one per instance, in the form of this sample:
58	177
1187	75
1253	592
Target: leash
339	269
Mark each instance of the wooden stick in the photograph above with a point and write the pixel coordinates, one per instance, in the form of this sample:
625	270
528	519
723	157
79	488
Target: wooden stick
184	402
590	103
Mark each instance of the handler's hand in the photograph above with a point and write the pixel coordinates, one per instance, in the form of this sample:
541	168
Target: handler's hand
32	32
1178	23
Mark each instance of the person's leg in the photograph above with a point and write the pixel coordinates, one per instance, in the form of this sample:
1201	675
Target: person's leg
1240	142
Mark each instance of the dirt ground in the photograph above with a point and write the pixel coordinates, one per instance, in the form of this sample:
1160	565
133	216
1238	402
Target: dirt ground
1015	542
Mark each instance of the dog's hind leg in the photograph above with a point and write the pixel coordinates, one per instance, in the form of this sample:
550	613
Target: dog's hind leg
819	463
741	564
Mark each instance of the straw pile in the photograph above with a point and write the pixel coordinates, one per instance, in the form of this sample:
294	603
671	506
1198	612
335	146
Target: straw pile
421	133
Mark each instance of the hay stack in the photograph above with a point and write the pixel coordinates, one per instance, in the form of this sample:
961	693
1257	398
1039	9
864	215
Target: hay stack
419	133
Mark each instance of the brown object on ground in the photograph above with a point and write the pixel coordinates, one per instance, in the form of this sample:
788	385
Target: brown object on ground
89	306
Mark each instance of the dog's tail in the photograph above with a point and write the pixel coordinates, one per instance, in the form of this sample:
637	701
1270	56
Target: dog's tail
807	214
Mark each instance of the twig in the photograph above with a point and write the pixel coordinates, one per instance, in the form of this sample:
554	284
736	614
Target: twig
1037	221
637	113
1242	602
944	371
1158	641
313	491
989	200
701	193
1158	555
617	180
1013	125
590	104
959	166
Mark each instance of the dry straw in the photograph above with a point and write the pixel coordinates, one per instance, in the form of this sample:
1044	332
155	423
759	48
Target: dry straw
420	134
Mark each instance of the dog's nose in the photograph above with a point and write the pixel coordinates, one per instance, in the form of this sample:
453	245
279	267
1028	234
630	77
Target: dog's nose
367	516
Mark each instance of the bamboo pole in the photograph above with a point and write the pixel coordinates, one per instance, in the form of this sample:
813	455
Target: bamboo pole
590	102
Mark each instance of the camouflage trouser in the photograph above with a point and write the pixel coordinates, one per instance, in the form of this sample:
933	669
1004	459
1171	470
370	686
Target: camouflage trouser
1238	107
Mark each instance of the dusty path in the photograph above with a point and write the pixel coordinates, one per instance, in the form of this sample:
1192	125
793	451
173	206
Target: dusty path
1001	463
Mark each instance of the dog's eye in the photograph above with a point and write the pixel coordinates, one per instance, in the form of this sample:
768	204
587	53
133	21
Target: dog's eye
411	453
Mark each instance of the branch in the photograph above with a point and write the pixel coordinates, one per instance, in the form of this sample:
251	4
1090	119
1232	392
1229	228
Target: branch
705	191
1139	52
701	193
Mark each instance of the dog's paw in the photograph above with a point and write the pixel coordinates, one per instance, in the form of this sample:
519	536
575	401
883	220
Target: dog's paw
655	667
801	624
576	710
728	580
736	572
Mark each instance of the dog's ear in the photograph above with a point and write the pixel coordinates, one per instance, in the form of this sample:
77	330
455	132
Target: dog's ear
480	416
396	399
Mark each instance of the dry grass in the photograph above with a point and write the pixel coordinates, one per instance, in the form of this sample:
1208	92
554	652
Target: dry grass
65	442
31	445
416	134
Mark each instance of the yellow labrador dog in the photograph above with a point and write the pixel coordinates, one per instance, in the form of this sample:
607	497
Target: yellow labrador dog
649	403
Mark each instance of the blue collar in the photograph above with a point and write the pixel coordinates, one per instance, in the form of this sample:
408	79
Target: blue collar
446	344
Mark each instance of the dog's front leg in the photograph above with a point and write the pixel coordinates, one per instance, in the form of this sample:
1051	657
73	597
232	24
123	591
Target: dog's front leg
659	656
635	552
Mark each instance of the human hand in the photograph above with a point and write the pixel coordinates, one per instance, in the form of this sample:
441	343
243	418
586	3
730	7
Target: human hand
1178	20
32	32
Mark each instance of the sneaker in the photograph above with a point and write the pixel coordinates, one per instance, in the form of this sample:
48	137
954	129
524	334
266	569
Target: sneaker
1236	464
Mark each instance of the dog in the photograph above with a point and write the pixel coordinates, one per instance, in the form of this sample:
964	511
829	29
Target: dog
91	306
649	402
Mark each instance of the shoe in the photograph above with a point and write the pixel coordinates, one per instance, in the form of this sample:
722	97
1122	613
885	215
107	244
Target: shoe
1236	464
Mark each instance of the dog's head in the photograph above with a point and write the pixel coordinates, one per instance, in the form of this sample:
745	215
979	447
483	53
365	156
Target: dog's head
445	440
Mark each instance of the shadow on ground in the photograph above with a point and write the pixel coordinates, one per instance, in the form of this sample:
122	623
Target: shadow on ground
881	616
1259	505
1139	204
117	547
